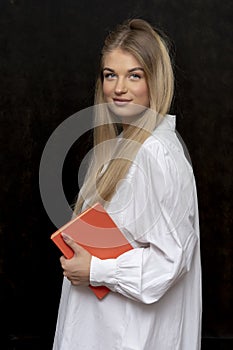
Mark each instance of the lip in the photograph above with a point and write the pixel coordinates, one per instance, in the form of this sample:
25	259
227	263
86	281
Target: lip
121	101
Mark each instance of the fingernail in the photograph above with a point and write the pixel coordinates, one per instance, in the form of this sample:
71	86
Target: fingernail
65	237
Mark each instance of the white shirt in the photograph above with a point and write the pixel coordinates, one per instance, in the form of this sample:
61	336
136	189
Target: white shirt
155	301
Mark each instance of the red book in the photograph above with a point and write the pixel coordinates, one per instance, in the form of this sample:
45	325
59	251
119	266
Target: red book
94	230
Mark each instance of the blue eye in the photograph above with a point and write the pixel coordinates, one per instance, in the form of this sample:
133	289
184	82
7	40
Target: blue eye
135	76
109	75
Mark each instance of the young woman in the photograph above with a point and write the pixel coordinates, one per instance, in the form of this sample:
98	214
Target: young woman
139	172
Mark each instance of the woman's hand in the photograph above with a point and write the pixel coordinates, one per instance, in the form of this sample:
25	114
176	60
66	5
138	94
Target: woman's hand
76	269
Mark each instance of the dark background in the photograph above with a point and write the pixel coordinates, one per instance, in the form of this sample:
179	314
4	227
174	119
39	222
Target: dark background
48	62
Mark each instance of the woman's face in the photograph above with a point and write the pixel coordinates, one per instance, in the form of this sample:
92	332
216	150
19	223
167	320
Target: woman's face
124	86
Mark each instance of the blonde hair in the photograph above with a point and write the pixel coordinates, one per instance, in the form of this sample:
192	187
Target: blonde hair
110	160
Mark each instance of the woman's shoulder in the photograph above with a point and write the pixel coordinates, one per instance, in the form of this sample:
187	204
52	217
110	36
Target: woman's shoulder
165	147
165	138
162	138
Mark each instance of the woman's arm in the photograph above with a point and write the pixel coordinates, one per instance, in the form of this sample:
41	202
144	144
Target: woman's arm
160	213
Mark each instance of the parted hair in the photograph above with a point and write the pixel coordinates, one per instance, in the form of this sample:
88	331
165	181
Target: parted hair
111	159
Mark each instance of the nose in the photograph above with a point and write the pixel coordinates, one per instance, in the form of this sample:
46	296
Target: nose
120	87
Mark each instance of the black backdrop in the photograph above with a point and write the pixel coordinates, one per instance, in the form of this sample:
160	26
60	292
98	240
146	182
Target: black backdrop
48	61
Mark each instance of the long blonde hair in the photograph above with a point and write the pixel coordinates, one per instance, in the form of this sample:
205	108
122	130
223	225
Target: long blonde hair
112	159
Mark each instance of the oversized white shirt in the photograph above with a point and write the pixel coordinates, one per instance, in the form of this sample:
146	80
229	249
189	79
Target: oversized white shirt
155	301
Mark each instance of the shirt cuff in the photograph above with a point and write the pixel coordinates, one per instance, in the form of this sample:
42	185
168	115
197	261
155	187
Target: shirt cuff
103	272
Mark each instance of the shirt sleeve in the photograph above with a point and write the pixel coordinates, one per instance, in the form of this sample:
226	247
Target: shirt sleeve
158	211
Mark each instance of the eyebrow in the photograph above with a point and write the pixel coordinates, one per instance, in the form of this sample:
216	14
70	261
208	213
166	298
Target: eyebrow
129	71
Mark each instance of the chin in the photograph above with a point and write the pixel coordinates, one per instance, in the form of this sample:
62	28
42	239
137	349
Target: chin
129	110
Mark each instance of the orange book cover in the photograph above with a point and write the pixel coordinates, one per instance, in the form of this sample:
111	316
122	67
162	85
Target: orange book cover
94	230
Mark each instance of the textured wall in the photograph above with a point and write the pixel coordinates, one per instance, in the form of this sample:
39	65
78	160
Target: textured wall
48	55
